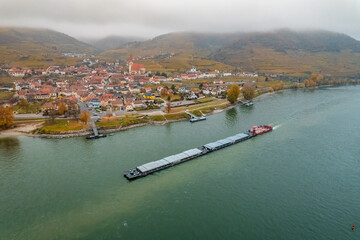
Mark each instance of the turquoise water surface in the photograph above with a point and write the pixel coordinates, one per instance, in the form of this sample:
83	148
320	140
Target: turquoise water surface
301	181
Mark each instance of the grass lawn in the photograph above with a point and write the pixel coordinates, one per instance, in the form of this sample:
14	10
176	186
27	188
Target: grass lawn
217	104
120	122
29	108
157	118
6	95
176	116
60	125
205	100
28	119
109	123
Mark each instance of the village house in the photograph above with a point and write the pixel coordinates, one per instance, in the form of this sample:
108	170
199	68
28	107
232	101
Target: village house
218	81
15	72
106	99
227	74
134	89
94	103
154	81
248	74
129	107
206	91
48	106
42	94
184	90
139	104
149	96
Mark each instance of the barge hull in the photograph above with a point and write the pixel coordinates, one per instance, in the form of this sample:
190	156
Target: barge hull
151	167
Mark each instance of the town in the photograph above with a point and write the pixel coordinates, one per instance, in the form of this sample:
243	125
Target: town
112	89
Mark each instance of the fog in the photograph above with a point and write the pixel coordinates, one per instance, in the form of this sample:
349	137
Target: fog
149	18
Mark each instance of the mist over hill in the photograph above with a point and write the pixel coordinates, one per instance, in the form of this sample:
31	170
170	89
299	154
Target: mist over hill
282	51
111	42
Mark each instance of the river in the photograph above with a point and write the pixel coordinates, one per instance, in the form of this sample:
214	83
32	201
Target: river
300	181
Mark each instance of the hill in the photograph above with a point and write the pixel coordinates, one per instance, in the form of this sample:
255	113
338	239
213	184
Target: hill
282	51
38	47
188	49
111	42
293	53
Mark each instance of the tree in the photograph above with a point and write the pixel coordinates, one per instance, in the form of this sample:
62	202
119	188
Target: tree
201	86
248	92
233	93
164	92
52	115
168	107
85	116
173	87
6	117
62	108
73	110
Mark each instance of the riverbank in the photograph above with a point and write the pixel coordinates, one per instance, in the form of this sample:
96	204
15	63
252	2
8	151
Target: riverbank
113	125
24	128
107	126
107	130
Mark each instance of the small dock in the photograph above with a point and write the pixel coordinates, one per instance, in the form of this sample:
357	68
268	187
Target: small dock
95	130
95	133
194	118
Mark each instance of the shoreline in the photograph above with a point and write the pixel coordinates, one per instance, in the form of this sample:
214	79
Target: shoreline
31	126
83	133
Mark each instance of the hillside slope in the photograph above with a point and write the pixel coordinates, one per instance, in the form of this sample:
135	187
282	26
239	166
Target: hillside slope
282	51
189	49
38	47
111	42
293	53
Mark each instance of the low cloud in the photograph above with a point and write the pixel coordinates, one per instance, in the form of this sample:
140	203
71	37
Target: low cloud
95	18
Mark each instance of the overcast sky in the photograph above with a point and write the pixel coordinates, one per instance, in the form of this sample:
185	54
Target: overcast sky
149	18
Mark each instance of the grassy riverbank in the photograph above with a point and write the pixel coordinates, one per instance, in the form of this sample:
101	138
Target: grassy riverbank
60	126
207	105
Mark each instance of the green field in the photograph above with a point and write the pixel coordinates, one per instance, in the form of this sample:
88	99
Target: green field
59	126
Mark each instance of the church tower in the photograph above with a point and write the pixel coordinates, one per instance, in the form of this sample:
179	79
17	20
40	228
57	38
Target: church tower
131	62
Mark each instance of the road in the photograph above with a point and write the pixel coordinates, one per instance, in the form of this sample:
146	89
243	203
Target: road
29	116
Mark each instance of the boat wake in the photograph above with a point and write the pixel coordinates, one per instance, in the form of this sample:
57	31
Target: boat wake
276	126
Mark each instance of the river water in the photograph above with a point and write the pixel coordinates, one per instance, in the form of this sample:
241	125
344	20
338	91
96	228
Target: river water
301	181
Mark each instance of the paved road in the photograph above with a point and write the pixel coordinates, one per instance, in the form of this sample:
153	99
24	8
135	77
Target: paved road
30	115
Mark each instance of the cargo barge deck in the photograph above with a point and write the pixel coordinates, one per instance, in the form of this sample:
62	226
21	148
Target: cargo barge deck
155	166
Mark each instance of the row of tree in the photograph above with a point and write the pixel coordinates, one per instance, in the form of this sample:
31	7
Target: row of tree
247	90
6	117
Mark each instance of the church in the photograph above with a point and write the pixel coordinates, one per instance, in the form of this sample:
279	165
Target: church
134	68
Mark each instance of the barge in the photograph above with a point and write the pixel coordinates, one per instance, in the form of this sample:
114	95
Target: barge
155	166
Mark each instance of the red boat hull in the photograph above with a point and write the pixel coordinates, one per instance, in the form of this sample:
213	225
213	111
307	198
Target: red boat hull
260	129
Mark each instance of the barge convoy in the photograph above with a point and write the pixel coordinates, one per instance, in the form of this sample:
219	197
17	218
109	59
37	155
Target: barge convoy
155	166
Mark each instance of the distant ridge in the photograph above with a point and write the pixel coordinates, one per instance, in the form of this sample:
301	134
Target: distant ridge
290	52
36	47
112	42
281	51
